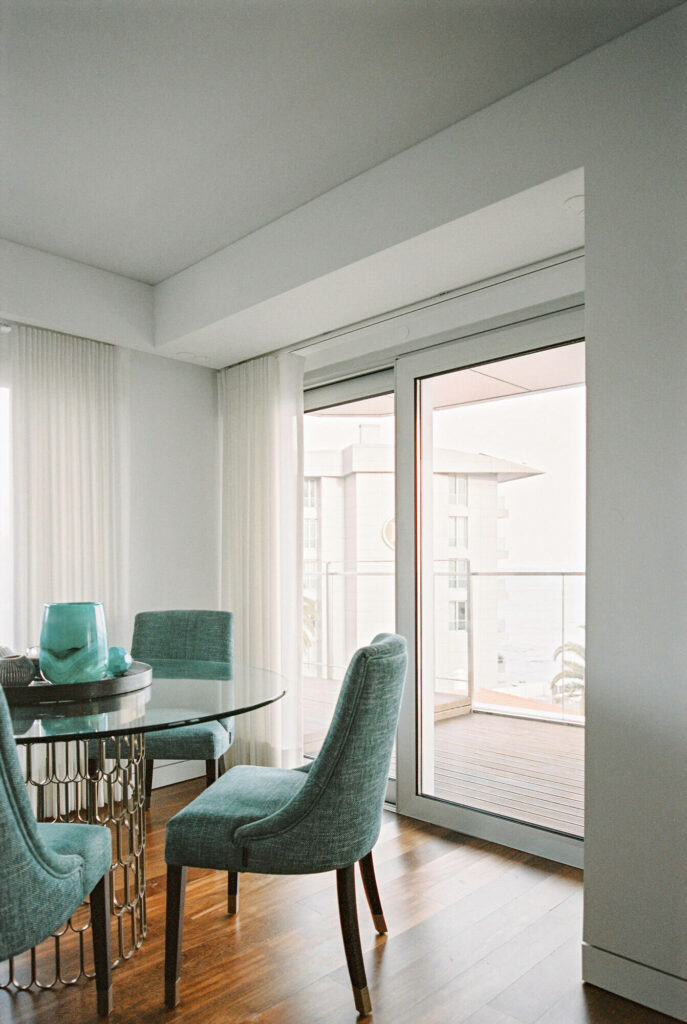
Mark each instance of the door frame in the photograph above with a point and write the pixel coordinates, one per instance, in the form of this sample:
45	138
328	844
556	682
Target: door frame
520	338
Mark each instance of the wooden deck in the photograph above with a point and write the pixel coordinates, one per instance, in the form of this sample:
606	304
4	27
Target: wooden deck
532	771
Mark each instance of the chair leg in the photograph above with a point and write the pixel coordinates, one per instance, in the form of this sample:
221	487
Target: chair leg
102	954
176	891
150	765
233	893
210	771
367	872
348	915
221	767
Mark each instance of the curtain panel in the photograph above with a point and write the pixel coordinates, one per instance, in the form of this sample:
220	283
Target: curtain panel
69	481
261	422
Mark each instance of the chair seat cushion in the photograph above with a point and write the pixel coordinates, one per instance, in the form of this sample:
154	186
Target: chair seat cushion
190	742
92	843
204	741
202	834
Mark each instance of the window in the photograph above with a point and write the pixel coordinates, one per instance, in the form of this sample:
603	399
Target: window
457	489
311	574
457	616
457	531
310	492
6	576
310	533
458	573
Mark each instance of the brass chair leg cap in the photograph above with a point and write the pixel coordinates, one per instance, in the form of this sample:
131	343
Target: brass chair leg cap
362	1001
104	1001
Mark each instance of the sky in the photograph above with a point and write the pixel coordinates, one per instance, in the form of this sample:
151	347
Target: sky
545	528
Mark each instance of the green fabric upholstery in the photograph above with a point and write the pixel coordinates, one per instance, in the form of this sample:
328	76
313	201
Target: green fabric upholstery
183	636
91	843
205	741
46	871
185	645
319	818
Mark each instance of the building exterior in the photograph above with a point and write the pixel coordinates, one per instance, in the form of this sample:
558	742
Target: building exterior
349	559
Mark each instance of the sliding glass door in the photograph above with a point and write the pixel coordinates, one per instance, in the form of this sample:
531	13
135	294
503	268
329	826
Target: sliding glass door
349	545
491	528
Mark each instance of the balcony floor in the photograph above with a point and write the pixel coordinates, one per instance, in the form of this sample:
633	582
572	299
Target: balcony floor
529	770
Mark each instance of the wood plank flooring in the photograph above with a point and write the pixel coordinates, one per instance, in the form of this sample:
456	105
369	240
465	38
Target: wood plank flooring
532	771
478	934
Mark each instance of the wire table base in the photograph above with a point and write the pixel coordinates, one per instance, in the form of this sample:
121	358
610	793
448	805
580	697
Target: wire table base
97	782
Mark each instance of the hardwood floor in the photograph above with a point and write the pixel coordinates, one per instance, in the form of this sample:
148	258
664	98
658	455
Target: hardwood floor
477	934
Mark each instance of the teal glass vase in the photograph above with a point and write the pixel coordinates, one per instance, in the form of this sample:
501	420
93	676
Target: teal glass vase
73	645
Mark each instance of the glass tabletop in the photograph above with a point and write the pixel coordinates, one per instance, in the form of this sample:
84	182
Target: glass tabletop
165	704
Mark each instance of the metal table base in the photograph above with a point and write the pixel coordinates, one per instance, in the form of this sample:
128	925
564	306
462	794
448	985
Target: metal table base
76	781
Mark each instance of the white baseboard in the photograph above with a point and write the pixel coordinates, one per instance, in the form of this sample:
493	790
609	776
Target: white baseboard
660	991
166	773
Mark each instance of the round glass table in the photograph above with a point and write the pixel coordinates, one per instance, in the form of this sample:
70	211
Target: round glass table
84	761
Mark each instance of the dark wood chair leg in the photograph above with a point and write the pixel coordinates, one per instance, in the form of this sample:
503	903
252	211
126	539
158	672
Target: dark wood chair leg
92	789
210	771
221	767
102	953
233	893
348	915
367	872
176	891
150	765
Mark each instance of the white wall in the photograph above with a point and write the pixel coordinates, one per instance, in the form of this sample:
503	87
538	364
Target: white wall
174	524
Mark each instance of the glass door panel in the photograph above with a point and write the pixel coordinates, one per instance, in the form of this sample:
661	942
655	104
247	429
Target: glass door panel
500	492
349	547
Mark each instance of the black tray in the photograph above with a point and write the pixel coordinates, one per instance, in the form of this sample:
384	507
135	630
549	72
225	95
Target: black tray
138	677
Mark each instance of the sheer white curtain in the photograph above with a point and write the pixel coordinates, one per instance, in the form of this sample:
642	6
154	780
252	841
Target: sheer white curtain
261	409
68	399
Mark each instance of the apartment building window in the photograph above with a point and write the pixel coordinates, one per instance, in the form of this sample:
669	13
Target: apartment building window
457	616
457	531
310	492
457	489
310	533
310	574
458	573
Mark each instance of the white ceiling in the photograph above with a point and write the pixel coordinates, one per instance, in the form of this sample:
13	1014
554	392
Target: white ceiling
140	136
533	225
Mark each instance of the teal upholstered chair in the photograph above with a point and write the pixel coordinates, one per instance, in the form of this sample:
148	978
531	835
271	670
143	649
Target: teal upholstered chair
47	870
187	645
324	816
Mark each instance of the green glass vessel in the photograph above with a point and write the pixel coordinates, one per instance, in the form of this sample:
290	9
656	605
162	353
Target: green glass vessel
74	642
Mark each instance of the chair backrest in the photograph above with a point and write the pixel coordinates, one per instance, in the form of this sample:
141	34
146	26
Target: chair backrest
38	888
352	768
185	644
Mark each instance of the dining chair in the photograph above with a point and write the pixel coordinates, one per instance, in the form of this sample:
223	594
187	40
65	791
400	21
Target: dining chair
323	816
187	645
47	871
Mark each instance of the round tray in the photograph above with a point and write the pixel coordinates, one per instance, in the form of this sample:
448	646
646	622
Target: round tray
138	677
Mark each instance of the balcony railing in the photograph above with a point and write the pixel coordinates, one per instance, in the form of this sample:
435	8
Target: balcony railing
506	642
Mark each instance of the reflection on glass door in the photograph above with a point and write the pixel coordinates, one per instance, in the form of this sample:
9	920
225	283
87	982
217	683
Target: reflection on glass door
348	547
501	499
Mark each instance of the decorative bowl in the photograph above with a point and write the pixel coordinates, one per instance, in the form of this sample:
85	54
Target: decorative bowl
119	661
74	642
16	670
